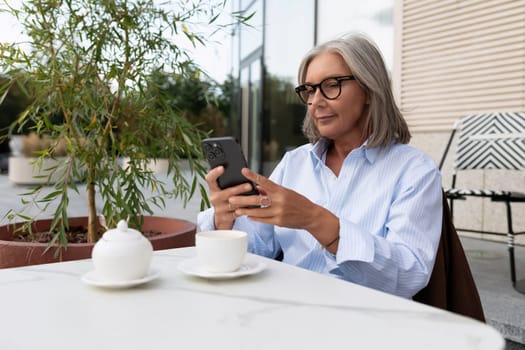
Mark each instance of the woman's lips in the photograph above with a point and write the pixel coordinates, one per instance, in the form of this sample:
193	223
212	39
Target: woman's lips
323	118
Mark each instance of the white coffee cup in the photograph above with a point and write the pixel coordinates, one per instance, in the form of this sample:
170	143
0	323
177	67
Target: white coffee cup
221	250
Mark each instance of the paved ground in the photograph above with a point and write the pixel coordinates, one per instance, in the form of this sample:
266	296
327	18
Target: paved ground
10	199
504	307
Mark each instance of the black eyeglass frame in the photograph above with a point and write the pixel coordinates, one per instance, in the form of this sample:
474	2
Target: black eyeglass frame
339	79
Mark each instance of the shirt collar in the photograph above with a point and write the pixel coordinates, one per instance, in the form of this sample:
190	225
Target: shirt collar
319	149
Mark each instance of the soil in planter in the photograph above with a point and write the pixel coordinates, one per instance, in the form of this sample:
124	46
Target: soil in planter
76	234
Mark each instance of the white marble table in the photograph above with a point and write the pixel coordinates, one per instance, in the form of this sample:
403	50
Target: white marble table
47	307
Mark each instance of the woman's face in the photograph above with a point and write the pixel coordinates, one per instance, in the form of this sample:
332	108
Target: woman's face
342	119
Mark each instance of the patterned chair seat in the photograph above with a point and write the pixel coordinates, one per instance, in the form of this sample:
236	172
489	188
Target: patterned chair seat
496	196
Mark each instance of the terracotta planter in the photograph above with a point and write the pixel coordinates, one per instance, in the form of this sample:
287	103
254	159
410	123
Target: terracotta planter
175	233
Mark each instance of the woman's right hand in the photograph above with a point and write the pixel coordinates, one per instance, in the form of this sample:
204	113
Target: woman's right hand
219	198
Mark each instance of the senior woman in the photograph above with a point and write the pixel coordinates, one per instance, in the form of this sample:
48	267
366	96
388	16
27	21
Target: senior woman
357	202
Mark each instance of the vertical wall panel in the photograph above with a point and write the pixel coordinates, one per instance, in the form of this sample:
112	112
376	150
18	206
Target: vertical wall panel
458	57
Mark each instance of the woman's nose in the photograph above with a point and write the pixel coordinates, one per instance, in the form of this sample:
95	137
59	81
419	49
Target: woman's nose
316	97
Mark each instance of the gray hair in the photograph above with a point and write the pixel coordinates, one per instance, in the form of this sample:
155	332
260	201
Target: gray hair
384	123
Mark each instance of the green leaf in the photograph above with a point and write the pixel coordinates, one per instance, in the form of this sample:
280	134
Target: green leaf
52	195
205	202
214	18
25	217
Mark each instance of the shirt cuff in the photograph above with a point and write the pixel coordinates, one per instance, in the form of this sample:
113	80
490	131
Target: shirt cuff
354	244
206	220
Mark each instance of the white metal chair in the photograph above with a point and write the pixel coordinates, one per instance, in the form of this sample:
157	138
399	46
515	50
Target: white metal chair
490	141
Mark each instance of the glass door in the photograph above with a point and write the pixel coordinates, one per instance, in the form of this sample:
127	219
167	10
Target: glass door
251	111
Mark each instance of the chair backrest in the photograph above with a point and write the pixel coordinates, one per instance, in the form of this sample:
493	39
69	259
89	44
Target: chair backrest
491	141
451	286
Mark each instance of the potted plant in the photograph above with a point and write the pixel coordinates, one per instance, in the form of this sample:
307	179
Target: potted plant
24	165
198	98
90	61
11	105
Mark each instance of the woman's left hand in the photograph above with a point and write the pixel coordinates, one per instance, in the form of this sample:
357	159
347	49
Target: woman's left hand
275	205
283	207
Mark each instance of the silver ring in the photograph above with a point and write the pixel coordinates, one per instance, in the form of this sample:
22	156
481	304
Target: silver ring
265	201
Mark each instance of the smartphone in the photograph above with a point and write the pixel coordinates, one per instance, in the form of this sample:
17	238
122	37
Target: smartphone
227	152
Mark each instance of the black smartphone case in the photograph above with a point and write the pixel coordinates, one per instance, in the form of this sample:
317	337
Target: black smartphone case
227	152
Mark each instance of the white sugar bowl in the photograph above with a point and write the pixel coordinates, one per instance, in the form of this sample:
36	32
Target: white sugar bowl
122	254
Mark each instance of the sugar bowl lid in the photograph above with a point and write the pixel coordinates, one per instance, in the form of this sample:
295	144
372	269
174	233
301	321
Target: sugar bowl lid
122	233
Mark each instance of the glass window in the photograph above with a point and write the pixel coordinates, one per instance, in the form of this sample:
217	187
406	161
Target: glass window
255	116
289	34
245	108
251	92
252	34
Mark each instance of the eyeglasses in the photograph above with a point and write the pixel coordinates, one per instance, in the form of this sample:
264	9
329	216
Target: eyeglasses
330	88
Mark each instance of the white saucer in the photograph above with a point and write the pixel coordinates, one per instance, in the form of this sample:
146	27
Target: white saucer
193	267
92	279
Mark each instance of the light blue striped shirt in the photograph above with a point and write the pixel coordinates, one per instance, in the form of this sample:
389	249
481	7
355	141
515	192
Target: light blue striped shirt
389	205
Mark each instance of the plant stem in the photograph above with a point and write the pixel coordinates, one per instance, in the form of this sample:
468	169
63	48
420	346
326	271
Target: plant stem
92	211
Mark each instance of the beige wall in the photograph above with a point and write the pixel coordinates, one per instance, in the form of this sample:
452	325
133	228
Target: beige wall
453	58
